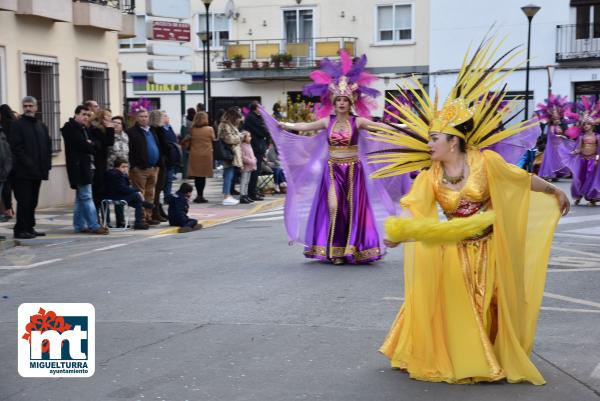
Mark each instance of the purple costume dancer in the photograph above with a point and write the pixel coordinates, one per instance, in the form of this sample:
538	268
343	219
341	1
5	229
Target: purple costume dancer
553	113
583	163
581	156
331	207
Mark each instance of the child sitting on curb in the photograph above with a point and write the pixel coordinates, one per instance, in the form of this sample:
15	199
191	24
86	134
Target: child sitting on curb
179	205
249	165
118	187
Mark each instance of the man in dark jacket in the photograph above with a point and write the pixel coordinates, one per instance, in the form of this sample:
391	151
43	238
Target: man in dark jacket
117	187
173	155
179	205
255	124
79	153
32	160
144	159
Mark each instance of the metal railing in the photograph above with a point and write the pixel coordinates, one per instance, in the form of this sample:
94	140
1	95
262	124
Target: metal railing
126	6
282	53
577	42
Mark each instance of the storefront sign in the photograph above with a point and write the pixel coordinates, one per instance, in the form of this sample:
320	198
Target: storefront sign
165	30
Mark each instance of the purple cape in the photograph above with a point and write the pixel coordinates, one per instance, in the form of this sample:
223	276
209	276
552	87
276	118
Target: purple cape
304	159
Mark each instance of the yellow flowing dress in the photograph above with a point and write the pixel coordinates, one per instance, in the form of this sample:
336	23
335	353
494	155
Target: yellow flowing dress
471	308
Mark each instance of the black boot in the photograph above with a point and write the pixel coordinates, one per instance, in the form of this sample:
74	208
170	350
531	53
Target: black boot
161	211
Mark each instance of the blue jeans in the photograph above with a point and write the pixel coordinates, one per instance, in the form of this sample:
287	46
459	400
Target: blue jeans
84	213
228	173
278	175
169	178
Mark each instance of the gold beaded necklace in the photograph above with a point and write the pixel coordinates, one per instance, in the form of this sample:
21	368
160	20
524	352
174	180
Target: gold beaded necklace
456	179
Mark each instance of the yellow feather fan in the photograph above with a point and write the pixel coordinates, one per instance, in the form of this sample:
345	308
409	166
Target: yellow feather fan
473	98
431	231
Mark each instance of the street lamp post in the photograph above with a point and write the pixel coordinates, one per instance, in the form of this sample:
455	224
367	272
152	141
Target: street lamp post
204	39
208	37
530	11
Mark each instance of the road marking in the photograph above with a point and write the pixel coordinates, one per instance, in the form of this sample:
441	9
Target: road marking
30	266
573	300
595	255
576	236
268	219
584	269
106	248
586	231
392	299
578	219
59	243
551	308
277	212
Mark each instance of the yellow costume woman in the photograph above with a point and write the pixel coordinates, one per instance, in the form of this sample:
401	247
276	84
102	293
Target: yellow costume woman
471	304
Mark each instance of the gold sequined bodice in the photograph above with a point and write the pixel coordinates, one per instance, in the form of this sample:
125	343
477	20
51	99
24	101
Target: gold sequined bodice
475	194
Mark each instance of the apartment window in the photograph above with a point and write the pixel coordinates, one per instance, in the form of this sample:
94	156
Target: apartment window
218	25
139	42
589	88
298	25
395	23
587	18
41	82
94	85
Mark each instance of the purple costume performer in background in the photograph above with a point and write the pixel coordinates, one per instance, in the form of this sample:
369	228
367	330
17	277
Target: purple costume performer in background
331	207
553	113
351	231
581	156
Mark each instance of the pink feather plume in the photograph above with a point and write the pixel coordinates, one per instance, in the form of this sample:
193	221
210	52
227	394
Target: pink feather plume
346	62
320	77
366	79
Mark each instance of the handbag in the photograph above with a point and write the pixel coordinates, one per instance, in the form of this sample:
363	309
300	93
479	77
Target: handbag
223	151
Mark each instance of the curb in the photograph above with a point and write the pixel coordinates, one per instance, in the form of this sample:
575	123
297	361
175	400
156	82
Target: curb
212	223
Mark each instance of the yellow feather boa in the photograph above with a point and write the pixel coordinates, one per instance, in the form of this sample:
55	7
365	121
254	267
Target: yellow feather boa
400	229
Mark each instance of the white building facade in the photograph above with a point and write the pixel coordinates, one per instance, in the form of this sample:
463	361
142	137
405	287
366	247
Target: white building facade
565	44
62	52
394	34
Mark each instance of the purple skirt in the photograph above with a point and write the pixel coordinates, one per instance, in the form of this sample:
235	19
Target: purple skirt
586	179
552	165
347	230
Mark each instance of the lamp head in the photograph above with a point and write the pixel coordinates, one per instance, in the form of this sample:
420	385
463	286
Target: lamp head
207	2
530	10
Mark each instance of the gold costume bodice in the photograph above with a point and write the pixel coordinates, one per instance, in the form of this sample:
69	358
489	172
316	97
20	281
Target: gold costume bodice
474	196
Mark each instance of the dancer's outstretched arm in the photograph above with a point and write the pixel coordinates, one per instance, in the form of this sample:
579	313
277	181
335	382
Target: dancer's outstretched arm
314	126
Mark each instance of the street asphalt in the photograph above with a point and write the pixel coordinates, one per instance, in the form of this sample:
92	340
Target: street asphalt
233	313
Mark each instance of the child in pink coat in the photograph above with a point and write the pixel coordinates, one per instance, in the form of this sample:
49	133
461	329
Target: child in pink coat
249	165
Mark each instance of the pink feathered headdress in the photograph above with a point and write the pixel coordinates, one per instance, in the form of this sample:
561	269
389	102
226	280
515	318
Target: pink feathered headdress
555	104
588	111
347	78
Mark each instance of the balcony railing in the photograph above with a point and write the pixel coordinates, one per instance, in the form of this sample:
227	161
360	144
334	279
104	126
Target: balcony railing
280	53
126	6
577	42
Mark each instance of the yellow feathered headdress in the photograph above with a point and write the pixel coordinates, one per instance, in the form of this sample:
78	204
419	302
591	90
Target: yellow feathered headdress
473	111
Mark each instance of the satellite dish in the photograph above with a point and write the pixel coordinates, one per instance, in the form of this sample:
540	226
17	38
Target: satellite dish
230	9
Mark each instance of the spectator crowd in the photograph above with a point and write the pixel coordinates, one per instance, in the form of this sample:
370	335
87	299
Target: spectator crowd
110	164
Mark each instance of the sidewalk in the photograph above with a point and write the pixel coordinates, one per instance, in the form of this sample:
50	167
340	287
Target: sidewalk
57	222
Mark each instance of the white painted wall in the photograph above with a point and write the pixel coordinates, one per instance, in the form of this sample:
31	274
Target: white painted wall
454	28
